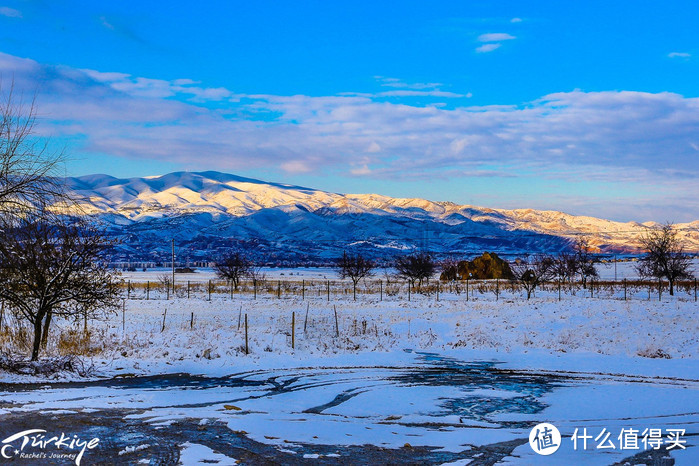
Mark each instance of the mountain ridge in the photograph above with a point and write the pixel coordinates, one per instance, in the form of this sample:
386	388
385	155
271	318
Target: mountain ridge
217	205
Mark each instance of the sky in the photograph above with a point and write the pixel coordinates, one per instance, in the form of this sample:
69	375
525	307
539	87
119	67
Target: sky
590	108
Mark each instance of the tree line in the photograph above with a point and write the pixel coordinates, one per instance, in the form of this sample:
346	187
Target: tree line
664	260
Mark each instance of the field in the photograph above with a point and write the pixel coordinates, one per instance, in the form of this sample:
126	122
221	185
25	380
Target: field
295	369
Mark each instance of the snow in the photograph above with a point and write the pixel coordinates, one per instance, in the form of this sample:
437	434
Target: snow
162	197
192	453
382	410
577	363
577	325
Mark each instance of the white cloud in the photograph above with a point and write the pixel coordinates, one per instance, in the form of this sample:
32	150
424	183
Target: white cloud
10	12
106	76
492	41
296	166
361	171
516	20
485	48
404	89
495	37
395	82
157	87
410	93
612	136
679	55
106	23
374	147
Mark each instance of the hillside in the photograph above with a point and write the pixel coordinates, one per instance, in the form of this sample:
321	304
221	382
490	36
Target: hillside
209	211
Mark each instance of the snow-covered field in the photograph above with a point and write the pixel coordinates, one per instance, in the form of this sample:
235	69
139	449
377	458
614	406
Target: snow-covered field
432	380
212	333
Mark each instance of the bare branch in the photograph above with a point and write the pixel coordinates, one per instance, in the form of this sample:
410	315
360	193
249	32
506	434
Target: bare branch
665	257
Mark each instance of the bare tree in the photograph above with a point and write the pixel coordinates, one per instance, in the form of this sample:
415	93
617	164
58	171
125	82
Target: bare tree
450	269
26	161
255	273
531	272
54	268
233	266
585	260
665	257
354	267
565	267
165	283
416	267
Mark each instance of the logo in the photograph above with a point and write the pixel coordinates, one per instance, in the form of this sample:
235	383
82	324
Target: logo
545	438
33	444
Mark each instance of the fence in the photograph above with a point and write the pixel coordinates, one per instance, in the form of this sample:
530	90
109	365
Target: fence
397	290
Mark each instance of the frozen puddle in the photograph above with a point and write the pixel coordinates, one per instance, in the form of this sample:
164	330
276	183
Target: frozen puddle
436	410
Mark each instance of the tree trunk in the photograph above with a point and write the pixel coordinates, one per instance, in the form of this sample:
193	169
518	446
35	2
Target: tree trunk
45	334
37	339
672	287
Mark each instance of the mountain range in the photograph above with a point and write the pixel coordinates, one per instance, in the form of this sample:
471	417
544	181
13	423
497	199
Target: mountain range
207	213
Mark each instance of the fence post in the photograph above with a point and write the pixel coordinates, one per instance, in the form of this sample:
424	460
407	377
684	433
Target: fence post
660	289
187	289
337	326
191	321
381	290
246	335
254	288
128	289
328	288
497	289
293	328
408	291
559	289
147	290
279	289
162	329
303	290
210	292
466	288
624	289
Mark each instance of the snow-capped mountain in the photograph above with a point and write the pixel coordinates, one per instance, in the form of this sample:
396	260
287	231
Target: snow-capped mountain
209	211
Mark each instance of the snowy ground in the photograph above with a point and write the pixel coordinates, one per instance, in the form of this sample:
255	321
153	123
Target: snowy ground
212	333
455	380
622	269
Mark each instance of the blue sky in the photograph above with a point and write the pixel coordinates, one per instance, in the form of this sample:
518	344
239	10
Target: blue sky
591	108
